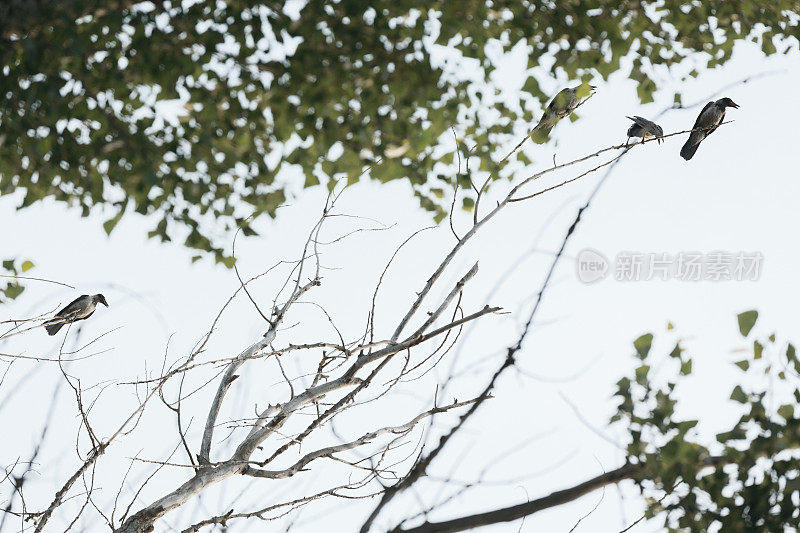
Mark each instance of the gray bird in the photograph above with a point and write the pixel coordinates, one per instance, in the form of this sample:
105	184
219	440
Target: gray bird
562	105
80	308
646	129
707	121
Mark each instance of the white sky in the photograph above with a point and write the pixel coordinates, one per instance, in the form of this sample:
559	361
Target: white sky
739	193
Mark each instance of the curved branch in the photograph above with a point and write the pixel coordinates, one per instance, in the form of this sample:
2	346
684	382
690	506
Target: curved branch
515	512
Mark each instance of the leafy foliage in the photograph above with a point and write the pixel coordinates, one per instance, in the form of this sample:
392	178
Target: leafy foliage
11	289
332	87
747	480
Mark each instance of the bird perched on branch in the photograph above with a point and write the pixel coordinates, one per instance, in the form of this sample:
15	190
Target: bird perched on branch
562	105
80	308
646	129
707	121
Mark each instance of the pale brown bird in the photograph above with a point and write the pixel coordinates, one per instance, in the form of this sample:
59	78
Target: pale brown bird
561	106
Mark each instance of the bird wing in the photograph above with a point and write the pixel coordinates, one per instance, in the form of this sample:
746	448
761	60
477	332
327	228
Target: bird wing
700	127
561	104
648	126
84	317
72	307
635	130
716	125
698	122
642	127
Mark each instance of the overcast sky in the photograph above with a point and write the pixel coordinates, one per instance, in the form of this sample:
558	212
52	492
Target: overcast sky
739	194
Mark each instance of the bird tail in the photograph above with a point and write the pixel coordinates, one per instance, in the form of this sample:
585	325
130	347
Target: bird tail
52	326
541	133
688	150
692	143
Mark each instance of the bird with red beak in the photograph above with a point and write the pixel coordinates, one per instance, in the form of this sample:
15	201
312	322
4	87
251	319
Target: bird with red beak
80	308
707	121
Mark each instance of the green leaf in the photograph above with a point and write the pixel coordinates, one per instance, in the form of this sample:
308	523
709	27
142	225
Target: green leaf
767	46
737	433
738	395
677	351
786	411
791	354
641	374
311	180
26	265
743	364
746	322
531	86
643	344
758	350
110	224
13	290
623	386
686	367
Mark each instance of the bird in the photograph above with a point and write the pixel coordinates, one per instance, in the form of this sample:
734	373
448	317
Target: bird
80	308
646	129
562	105
707	121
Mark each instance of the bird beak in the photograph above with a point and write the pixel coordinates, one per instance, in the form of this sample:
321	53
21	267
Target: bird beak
734	104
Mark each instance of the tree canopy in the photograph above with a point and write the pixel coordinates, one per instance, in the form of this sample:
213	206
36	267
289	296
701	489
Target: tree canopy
745	481
192	111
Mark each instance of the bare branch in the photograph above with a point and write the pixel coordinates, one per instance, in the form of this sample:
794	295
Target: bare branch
367	438
515	512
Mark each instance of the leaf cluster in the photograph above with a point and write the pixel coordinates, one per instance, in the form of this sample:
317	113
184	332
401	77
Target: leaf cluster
192	112
747	478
